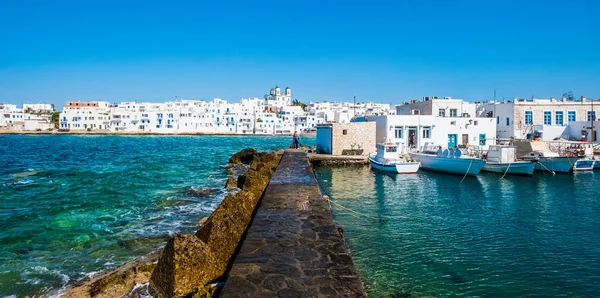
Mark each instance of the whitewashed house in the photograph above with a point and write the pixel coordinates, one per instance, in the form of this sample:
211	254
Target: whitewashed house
85	116
546	118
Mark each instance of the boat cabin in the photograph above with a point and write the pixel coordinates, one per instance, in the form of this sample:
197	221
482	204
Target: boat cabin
539	154
501	154
387	151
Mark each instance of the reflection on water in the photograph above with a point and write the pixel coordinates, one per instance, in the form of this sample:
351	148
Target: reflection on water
517	236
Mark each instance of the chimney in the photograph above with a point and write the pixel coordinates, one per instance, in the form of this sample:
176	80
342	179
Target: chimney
564	99
552	99
583	99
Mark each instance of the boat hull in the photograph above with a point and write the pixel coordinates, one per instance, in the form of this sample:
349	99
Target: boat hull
515	168
459	166
401	168
584	165
556	164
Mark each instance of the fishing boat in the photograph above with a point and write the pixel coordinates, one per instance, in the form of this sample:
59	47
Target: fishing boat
545	159
585	164
448	161
502	159
551	161
387	159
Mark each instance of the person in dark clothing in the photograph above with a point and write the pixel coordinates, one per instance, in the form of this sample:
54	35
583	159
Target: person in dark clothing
296	140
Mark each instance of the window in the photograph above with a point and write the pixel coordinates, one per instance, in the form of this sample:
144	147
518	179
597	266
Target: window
345	132
391	149
453	113
591	116
442	113
426	132
482	139
507	121
571	116
559	118
398	133
528	117
547	118
497	119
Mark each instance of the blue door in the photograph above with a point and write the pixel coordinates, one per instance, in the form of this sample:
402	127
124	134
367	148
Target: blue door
452	140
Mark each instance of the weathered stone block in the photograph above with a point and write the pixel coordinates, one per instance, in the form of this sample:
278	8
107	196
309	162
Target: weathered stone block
185	266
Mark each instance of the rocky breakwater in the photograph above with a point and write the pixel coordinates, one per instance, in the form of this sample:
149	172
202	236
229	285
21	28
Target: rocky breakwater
190	264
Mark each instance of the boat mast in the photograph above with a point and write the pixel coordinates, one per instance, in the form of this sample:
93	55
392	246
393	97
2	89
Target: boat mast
592	117
354	107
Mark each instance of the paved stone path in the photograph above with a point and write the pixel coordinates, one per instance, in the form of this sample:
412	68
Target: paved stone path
292	248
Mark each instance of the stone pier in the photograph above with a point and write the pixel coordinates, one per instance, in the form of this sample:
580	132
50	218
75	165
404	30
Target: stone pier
293	248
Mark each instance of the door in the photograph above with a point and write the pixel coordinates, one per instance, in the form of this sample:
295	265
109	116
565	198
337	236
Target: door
465	140
412	137
452	140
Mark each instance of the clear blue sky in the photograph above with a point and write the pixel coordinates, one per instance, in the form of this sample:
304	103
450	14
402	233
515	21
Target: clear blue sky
385	51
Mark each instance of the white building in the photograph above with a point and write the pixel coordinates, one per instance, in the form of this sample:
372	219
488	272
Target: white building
547	118
412	131
278	99
38	108
85	116
26	119
445	107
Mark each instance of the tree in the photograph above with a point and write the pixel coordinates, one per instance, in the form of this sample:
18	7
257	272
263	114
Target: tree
569	96
296	102
55	118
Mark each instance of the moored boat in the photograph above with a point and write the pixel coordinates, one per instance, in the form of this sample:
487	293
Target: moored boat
449	161
387	159
502	159
551	161
584	165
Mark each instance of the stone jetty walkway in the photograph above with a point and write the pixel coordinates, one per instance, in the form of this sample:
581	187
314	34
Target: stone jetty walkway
292	248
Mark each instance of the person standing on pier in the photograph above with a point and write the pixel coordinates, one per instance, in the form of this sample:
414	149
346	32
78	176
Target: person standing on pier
296	140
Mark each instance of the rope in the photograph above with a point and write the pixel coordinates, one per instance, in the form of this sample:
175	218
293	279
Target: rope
467	171
541	164
350	211
506	170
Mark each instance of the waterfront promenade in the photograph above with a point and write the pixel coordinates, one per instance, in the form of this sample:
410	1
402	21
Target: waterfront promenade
293	248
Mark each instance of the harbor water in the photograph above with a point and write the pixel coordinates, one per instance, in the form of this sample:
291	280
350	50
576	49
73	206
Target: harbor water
71	206
429	235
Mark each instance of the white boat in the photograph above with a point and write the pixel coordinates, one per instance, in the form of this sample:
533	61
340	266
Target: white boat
449	161
501	159
585	164
551	161
387	159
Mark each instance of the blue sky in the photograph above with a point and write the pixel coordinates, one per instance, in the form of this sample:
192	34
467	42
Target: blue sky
384	51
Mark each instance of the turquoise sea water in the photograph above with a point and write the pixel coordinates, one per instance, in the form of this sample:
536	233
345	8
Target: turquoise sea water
74	205
485	237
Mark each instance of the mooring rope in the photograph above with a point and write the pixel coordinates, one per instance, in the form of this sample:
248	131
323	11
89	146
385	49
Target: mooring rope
541	164
510	163
350	211
467	171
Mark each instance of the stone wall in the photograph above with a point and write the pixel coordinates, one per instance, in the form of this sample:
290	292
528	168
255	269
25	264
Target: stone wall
356	137
189	264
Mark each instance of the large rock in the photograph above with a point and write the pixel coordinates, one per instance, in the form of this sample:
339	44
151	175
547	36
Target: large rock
200	192
246	156
231	183
117	282
185	266
240	181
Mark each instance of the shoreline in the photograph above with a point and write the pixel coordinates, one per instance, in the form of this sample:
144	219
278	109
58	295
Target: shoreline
111	133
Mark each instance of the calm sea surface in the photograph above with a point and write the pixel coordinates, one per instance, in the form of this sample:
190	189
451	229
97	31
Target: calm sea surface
485	237
74	205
